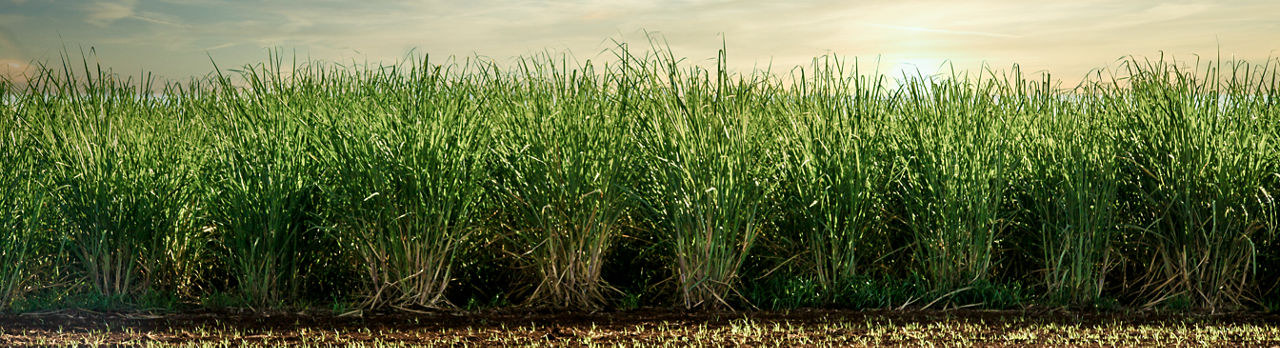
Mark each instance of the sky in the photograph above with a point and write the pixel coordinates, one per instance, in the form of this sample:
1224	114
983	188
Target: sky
175	39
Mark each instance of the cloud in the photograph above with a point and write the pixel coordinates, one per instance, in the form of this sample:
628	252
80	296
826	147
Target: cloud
103	13
158	18
12	64
1145	17
221	46
940	31
9	44
1164	12
1048	33
14	70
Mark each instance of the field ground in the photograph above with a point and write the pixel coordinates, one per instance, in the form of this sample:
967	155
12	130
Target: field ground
646	328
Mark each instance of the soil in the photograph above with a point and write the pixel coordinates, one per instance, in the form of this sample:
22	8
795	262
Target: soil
647	326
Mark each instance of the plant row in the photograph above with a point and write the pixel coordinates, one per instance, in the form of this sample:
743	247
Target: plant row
646	180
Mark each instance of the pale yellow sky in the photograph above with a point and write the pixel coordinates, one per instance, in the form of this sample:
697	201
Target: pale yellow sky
175	38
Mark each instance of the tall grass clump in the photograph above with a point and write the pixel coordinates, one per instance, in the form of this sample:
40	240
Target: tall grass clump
20	207
405	156
1269	111
119	179
713	167
566	150
839	170
1074	178
952	138
1199	156
21	200
260	181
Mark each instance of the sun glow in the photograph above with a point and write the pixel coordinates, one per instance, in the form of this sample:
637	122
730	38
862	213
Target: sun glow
913	68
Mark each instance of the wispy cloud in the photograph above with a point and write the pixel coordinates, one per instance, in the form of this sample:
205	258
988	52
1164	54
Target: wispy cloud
14	70
940	31
1137	19
12	64
220	46
1052	34
157	18
9	44
103	13
1166	12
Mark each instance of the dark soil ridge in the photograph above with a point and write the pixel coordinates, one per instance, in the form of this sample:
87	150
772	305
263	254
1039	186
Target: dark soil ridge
71	320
